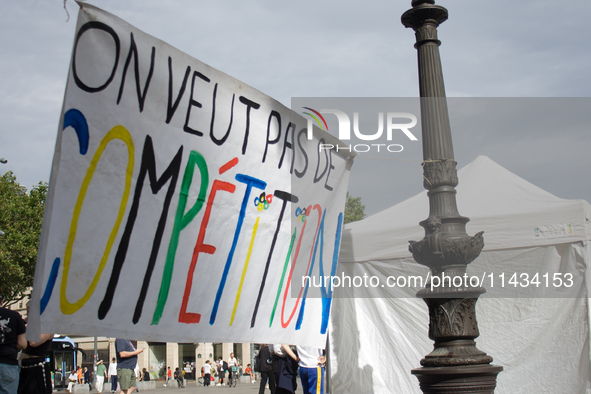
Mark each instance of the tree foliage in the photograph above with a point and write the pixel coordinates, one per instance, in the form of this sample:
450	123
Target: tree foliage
354	210
21	216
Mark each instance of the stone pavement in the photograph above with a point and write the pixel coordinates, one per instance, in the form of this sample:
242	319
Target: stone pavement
192	387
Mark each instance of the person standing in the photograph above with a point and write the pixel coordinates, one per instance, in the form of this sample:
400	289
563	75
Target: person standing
138	376
266	370
80	375
222	368
126	362
311	364
12	339
35	376
285	368
207	373
87	378
101	373
113	374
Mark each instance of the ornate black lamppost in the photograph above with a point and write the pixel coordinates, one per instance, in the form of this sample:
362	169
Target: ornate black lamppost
455	365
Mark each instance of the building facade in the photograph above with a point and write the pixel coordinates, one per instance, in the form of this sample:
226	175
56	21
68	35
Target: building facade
158	356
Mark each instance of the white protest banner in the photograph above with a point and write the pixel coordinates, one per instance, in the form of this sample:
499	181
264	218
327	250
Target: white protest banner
184	205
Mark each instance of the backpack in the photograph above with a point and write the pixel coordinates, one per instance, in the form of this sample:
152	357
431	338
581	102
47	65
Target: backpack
225	366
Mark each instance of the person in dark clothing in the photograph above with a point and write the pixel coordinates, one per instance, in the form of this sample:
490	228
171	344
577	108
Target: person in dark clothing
35	377
126	362
35	374
178	377
145	375
87	378
12	339
266	369
285	368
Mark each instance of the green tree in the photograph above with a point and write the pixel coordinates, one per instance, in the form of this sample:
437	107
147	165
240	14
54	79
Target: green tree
354	210
21	216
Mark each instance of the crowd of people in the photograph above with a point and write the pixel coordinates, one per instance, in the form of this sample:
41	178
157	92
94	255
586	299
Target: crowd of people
33	375
220	367
80	376
278	366
117	374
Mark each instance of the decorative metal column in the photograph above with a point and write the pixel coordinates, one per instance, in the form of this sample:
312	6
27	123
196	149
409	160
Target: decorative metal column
455	365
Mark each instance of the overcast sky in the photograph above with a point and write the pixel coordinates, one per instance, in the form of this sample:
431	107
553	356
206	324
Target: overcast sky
500	48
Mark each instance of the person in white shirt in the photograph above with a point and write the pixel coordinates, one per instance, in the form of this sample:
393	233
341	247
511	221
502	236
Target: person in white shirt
311	363
222	368
113	374
277	349
231	363
138	375
72	380
207	373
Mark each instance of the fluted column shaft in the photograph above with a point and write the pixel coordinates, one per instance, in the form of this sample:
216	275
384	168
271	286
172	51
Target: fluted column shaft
455	364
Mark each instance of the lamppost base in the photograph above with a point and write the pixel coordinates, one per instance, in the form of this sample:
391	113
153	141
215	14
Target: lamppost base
474	379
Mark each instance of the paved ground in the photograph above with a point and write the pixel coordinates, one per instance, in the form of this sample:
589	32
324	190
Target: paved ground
241	388
191	387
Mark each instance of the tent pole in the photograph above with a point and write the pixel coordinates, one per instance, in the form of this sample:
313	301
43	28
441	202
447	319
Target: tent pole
328	387
455	364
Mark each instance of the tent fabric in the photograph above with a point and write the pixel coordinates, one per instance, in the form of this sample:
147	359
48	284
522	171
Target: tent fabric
379	335
506	207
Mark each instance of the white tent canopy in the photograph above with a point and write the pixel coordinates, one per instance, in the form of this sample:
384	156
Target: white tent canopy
498	202
542	343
